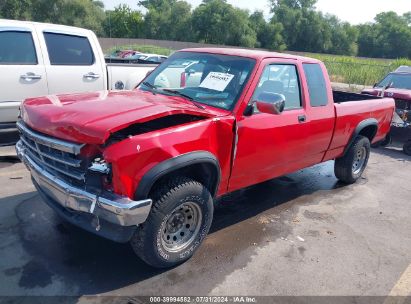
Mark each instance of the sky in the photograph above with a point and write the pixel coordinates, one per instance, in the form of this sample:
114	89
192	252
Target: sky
353	11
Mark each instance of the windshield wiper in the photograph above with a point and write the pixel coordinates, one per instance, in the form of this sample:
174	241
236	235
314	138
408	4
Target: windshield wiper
147	84
175	92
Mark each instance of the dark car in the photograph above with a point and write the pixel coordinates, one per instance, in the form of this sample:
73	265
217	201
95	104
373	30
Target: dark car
398	86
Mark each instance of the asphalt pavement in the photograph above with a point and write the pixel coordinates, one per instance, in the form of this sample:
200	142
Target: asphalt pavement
304	234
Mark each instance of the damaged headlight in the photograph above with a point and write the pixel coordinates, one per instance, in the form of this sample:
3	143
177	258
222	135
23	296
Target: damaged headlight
99	175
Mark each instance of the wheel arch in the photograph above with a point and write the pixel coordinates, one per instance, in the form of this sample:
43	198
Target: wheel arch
202	166
367	128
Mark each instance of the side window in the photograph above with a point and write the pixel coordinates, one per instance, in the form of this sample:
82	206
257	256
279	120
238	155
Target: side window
17	48
68	50
280	79
316	85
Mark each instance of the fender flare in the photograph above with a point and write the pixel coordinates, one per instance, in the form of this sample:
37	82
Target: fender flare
363	124
173	164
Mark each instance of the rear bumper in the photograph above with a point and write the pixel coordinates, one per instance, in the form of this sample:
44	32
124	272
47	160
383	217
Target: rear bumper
118	211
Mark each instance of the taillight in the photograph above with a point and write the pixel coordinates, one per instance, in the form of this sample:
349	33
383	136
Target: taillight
183	80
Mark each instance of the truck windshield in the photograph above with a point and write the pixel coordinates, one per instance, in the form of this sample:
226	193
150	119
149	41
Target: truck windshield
398	81
211	79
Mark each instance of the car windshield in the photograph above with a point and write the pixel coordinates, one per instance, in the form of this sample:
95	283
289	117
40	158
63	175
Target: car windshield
398	81
211	79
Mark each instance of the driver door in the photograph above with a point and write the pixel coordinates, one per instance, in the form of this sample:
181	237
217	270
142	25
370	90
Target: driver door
272	145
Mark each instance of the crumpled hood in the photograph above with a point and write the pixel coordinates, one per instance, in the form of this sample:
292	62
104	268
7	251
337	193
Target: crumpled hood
92	117
391	92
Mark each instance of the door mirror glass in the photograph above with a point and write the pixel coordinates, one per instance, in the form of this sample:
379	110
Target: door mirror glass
270	103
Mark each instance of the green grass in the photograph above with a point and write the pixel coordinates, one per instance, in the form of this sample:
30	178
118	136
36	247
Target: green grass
344	69
360	71
149	49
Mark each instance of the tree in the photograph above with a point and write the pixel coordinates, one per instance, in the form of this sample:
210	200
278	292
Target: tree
82	13
167	19
305	29
293	4
269	35
389	36
15	9
343	37
123	22
217	22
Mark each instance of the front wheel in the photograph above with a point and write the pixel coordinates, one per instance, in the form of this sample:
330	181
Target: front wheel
350	167
179	221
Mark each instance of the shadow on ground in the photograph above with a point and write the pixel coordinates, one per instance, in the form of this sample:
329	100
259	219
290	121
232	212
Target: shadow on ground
395	149
94	265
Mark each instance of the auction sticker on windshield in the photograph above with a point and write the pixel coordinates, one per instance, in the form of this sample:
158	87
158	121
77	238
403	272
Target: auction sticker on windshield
216	81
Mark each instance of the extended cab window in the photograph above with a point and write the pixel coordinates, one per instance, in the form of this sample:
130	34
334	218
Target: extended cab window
280	79
316	85
17	48
68	50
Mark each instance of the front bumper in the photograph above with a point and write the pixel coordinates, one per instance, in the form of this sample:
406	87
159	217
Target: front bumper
110	208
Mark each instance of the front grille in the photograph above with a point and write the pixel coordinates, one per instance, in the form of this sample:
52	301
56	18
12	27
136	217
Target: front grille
60	158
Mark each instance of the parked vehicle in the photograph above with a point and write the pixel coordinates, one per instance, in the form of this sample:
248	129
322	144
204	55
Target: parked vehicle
138	58
145	166
153	58
114	54
127	53
398	86
38	59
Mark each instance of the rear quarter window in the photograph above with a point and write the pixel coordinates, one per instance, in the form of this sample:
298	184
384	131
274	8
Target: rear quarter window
17	48
316	84
68	49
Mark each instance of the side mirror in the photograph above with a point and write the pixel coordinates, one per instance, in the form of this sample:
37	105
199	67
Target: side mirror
375	85
270	103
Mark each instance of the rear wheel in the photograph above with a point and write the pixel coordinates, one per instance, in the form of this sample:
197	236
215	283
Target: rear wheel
407	147
179	221
350	167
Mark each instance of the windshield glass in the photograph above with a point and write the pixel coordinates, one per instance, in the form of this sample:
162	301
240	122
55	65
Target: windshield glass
399	81
211	79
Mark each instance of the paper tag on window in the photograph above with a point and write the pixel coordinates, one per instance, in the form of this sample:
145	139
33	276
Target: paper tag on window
216	81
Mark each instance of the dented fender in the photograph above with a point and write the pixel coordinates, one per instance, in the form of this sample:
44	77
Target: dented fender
134	156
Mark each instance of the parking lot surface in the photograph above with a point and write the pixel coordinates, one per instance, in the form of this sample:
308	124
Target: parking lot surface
302	234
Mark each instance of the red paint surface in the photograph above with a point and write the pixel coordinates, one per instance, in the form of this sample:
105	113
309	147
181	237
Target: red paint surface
268	145
392	92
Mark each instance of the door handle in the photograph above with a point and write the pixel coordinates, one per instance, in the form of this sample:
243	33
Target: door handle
302	118
91	75
30	76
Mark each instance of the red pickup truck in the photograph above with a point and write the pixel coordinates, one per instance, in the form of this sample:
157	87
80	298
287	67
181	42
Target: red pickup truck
147	165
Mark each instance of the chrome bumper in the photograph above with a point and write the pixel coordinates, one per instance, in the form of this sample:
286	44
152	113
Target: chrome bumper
113	208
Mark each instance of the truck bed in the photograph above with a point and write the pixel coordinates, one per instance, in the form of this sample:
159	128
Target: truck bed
341	96
350	110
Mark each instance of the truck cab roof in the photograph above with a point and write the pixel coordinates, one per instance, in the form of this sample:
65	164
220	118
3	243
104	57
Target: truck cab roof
52	27
249	53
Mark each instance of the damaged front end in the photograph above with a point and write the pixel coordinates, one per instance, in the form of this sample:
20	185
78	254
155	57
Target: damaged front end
75	188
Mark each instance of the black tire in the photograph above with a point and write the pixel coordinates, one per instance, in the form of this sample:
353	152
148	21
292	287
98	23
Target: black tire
407	148
169	198
348	168
387	140
383	143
